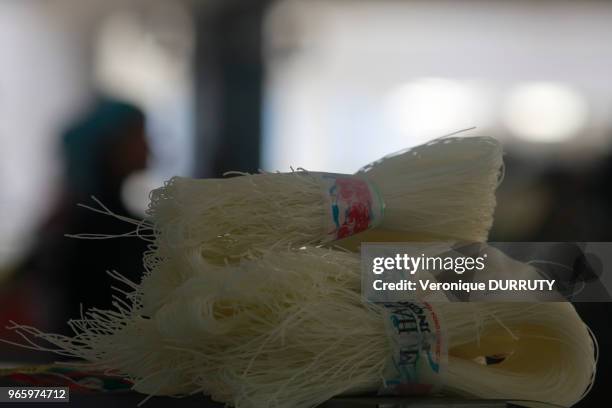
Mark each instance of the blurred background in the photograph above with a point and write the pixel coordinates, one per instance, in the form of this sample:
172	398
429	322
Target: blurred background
110	98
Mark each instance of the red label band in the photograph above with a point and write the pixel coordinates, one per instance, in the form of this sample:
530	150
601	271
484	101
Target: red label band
355	206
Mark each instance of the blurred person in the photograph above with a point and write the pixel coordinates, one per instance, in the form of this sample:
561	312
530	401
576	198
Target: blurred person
100	150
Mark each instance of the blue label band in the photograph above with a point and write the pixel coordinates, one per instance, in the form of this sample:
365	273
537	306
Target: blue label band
418	350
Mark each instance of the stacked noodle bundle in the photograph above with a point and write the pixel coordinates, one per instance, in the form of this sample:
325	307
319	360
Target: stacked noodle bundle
444	188
290	330
287	327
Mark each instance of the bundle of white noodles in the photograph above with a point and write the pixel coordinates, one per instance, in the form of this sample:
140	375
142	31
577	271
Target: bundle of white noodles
289	329
444	188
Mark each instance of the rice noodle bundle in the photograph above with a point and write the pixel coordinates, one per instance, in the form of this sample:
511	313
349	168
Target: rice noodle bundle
289	329
444	188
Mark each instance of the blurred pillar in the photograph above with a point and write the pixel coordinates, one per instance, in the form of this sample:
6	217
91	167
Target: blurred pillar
229	86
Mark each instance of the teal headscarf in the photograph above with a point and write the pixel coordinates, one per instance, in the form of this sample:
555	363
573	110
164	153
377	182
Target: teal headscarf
87	140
